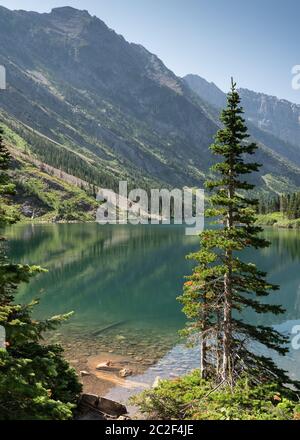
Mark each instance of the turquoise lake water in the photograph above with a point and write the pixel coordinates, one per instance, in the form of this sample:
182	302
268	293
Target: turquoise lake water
123	281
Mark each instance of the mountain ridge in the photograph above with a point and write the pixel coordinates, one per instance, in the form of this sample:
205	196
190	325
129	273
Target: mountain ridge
276	116
94	96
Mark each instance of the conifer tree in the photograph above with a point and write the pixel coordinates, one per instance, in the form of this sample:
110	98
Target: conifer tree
222	285
35	381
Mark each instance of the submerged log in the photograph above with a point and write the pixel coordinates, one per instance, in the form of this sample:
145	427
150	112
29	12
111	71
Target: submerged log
108	327
92	406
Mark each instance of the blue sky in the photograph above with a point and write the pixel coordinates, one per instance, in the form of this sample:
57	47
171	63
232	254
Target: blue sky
257	42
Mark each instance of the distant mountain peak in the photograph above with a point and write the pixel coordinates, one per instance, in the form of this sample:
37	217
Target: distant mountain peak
69	12
192	76
206	90
69	20
275	116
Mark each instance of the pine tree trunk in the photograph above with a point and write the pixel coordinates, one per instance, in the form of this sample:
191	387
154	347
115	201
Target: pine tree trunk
219	343
203	361
227	335
203	347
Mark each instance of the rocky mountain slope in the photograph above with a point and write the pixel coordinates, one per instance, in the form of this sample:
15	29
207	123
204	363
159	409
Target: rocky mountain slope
275	122
76	81
277	116
89	103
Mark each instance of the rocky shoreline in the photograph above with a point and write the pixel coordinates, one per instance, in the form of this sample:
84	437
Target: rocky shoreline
112	359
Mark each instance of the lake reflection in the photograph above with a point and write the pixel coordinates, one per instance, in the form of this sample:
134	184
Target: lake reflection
128	277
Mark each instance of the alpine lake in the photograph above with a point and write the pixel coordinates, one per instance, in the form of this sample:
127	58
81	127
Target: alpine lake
122	282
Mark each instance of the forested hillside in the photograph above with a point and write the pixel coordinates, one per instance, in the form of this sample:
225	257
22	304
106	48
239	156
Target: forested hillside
46	193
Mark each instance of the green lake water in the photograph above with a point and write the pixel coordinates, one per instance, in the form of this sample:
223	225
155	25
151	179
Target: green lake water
122	283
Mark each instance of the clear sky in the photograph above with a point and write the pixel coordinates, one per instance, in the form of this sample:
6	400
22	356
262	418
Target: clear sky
256	41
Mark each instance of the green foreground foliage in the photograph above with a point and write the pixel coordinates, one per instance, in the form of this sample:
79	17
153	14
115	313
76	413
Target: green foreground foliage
194	398
35	381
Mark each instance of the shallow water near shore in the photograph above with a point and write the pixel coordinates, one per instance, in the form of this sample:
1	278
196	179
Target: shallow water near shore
122	283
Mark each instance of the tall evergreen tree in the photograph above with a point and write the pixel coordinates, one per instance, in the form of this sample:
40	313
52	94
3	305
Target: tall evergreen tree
222	285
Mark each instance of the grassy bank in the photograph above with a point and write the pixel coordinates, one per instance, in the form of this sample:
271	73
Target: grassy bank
277	220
